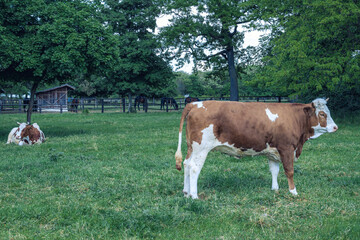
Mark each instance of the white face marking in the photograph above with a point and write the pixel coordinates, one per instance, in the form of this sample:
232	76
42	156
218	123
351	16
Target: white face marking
199	104
320	105
270	115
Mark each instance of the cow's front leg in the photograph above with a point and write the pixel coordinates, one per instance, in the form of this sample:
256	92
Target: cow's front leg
274	169
287	159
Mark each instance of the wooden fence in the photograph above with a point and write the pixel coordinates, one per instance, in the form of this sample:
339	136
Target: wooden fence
116	104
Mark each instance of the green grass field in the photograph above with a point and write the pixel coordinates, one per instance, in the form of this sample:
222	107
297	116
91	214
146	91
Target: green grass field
113	176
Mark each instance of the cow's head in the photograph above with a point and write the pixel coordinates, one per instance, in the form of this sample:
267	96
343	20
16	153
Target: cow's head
17	134
320	118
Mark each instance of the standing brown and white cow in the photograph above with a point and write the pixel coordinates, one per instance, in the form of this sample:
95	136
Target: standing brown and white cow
26	134
276	130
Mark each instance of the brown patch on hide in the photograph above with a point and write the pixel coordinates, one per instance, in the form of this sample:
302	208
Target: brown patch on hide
32	133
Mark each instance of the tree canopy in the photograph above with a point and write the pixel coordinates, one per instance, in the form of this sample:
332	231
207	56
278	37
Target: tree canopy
45	41
209	32
314	50
141	70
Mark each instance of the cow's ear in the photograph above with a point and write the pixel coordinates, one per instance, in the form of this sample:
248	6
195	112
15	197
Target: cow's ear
309	111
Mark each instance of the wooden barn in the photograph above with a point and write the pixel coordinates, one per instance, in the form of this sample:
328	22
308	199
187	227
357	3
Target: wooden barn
54	99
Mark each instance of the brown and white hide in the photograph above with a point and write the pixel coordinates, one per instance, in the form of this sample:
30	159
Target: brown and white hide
26	134
275	130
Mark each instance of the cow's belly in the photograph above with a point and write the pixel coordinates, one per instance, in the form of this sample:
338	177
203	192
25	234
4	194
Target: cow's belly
270	152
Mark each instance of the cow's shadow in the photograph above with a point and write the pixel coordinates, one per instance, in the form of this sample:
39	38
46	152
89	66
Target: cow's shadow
233	182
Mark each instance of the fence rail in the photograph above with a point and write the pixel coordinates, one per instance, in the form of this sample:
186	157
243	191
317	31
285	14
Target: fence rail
116	104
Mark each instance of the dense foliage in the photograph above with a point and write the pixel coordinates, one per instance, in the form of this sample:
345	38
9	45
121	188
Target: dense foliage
314	50
110	48
45	41
210	32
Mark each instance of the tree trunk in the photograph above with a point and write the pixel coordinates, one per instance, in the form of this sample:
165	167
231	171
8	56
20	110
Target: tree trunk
234	88
31	102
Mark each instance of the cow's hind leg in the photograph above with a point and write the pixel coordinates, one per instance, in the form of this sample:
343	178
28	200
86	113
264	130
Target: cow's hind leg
186	190
195	165
274	169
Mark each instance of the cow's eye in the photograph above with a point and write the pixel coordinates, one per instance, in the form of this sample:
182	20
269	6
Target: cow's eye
322	114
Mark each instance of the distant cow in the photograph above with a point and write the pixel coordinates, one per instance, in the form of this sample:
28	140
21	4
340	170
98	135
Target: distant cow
26	134
191	99
170	101
276	130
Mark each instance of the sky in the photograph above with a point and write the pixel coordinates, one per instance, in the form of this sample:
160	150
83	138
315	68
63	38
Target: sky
251	39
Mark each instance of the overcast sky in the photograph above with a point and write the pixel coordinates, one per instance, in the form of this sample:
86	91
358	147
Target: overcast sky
251	39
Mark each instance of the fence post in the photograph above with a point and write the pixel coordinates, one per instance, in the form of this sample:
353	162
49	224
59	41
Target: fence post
102	105
279	99
20	106
123	104
61	110
167	106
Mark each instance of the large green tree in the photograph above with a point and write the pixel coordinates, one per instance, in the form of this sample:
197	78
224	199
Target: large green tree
314	49
209	31
43	41
141	70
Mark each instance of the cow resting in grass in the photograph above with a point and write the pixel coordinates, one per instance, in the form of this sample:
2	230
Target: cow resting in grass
26	134
276	130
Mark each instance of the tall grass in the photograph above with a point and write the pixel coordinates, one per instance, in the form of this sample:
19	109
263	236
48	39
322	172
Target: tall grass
113	176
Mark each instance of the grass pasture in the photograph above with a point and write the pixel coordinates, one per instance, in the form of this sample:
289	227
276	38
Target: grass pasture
113	176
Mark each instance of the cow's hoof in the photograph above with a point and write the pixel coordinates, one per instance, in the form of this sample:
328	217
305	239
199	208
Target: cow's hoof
194	196
293	192
186	194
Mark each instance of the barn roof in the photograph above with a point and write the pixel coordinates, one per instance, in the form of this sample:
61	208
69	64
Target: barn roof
54	88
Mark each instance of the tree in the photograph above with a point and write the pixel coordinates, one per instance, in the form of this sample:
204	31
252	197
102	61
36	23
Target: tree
141	70
314	50
43	41
209	32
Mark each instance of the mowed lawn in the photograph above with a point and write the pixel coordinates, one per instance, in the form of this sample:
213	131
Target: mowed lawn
113	176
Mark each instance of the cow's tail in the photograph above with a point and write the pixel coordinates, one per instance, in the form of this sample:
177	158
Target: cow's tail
178	155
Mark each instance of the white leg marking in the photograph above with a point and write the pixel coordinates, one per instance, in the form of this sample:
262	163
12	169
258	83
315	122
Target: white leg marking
274	169
196	164
186	190
198	157
293	191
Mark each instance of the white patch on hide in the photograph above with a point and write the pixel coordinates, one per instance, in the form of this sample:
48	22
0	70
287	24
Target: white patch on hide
199	105
270	115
